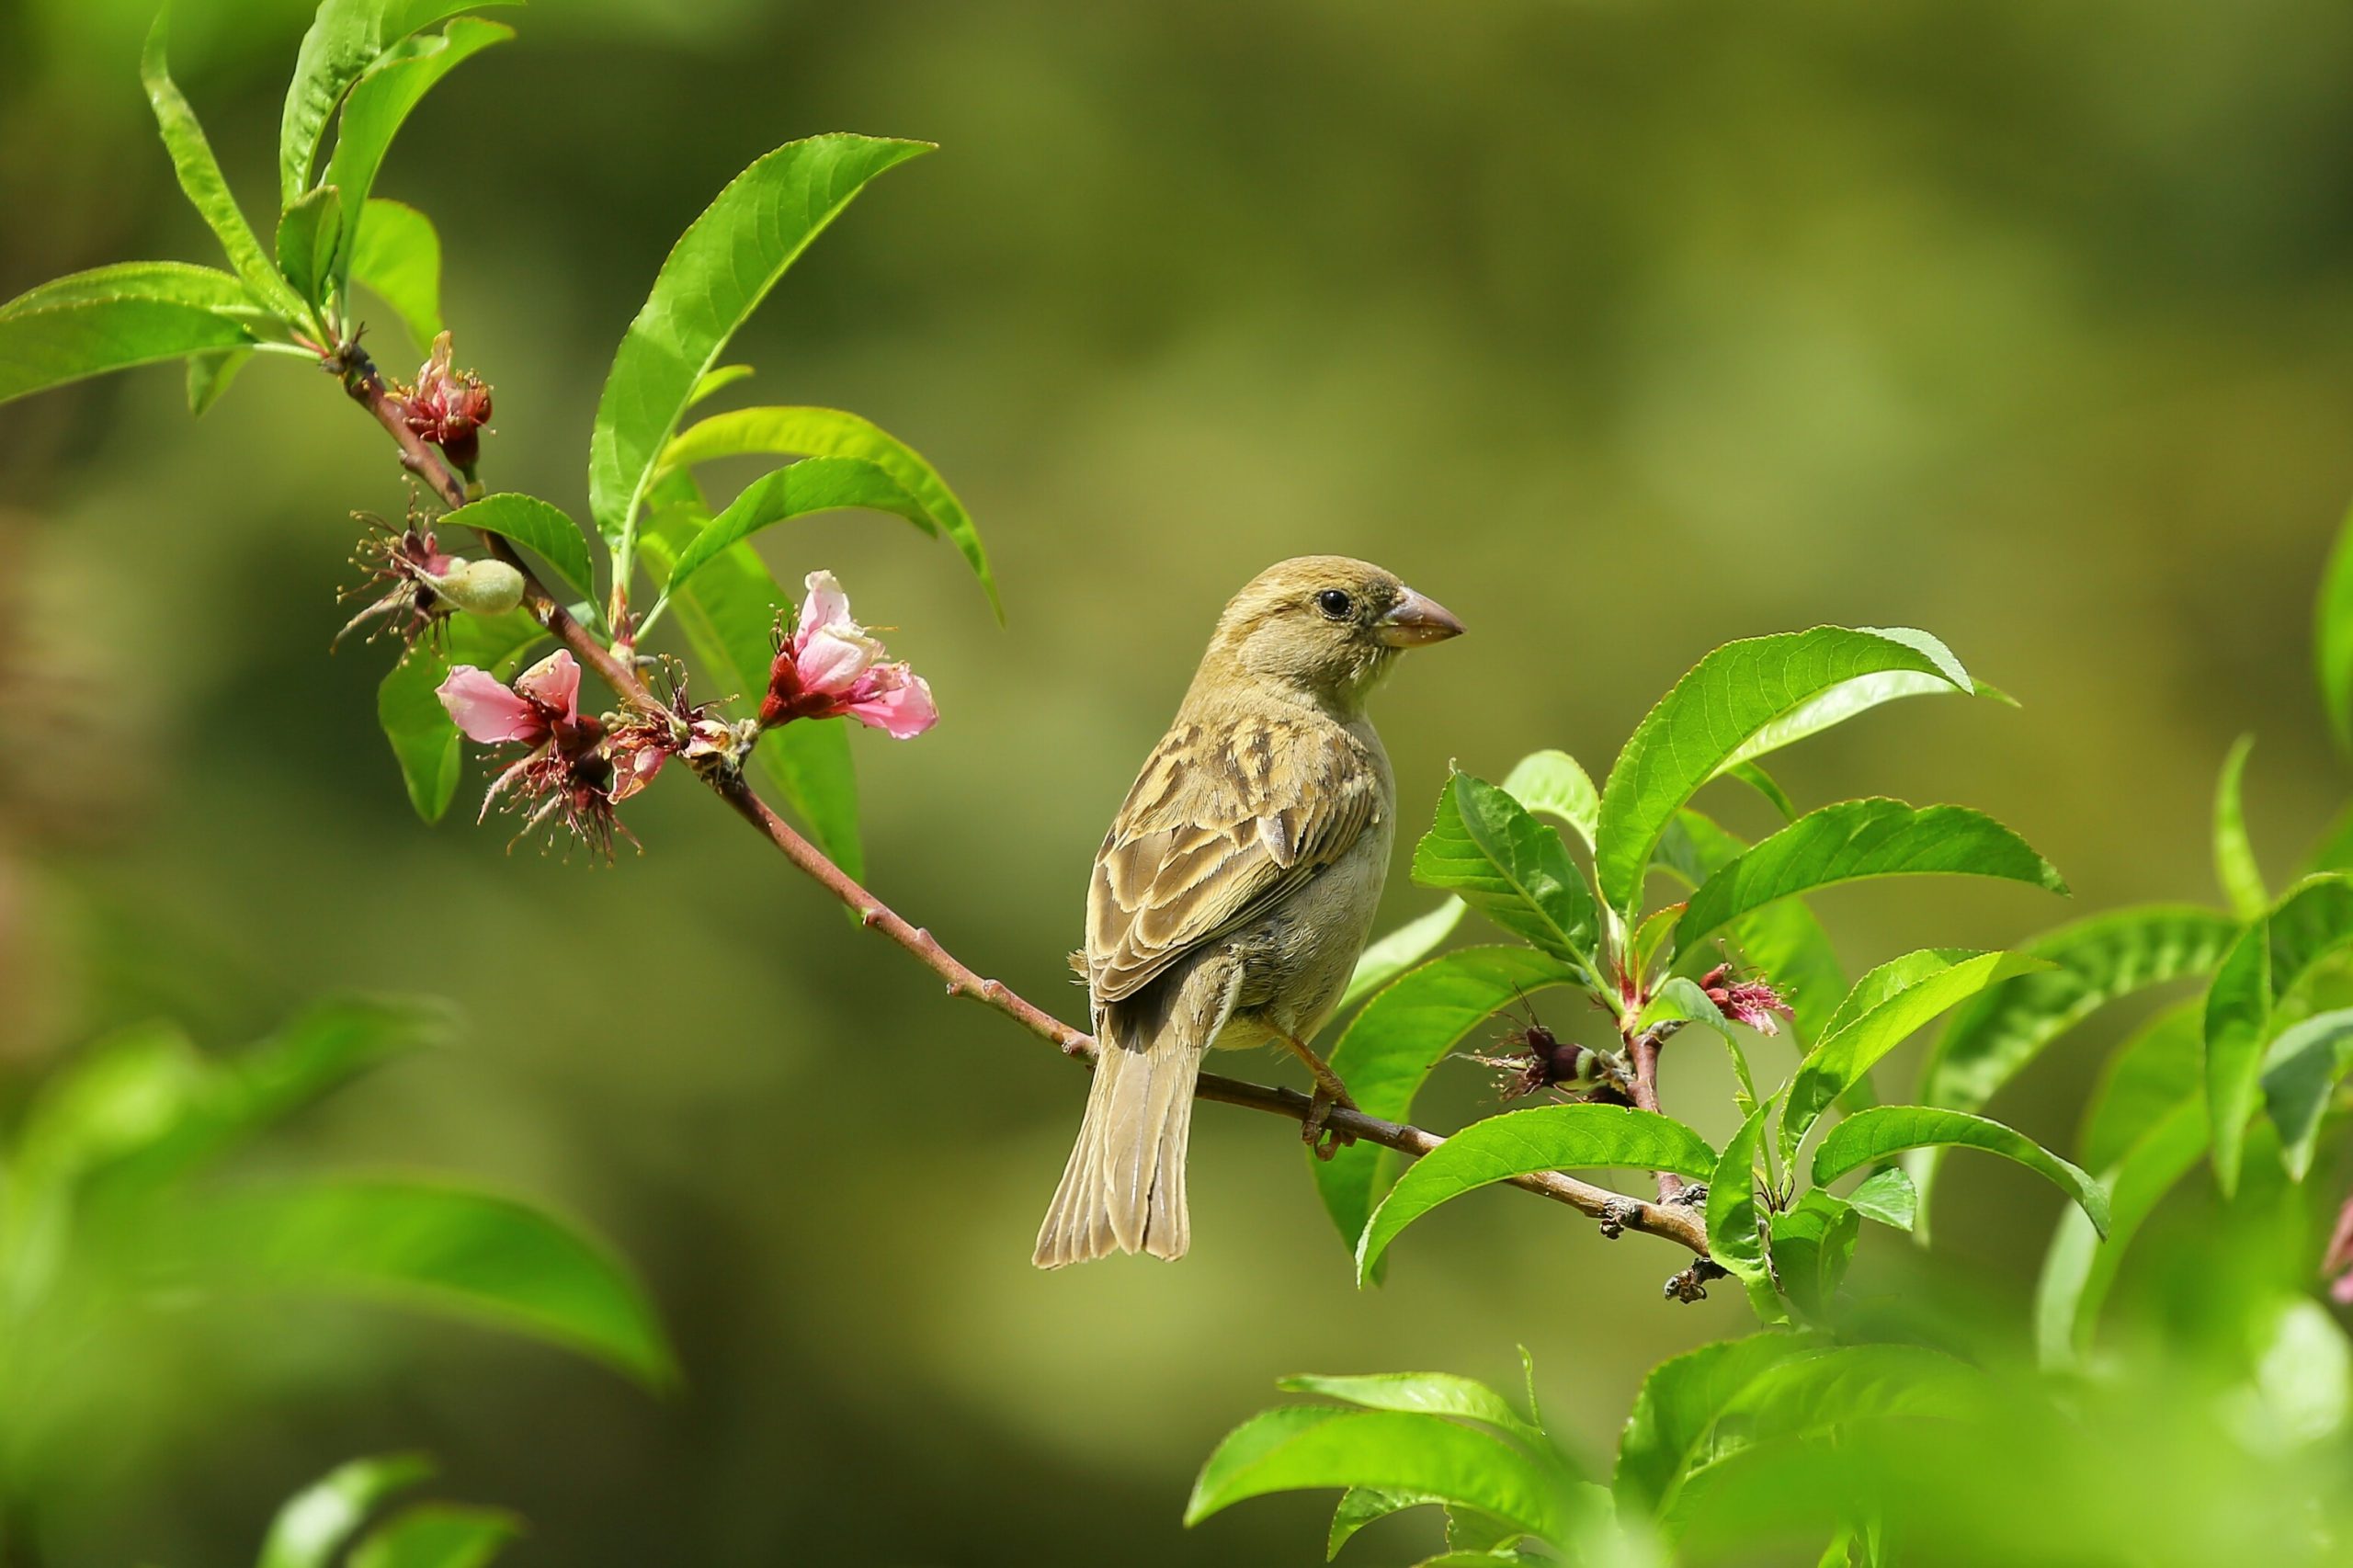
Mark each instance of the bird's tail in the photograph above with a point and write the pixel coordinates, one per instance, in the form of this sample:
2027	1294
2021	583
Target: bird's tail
1124	1187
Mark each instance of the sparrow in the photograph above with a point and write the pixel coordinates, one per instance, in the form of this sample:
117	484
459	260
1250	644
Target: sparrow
1233	894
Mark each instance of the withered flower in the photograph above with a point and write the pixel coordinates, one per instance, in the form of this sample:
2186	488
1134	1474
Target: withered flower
418	587
448	407
1750	1002
563	780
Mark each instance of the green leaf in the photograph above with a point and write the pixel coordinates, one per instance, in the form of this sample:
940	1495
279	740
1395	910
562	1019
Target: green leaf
1668	1434
2313	920
47	348
2333	636
536	524
2157	1067
209	376
1887	1196
1812	1243
1757	778
1869	1136
383	96
425	742
1551	783
1856	839
1735	1219
1391	1047
1928	983
1521	1142
1360	1505
1485	848
727	611
811	485
830	432
345	39
2082	1260
440	1246
2301	1073
714	382
200	176
396	255
1995	1034
2335	850
312	1527
2234	863
1429	1394
1682	1000
1736	704
308	238
1300	1447
437	1535
118	1095
1782	942
1400	950
721	268
164	282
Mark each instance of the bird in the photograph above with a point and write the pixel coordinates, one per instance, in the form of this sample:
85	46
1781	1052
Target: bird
1235	891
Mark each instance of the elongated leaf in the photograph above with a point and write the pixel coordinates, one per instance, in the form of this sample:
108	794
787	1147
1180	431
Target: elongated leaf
536	524
1735	1231
1682	1000
727	611
1391	1047
47	348
1360	1505
1888	1197
1850	1046
381	99
1724	710
117	1097
312	1527
165	282
1284	1451
2157	1067
830	432
1400	950
1485	848
811	485
2234	863
721	268
1430	1393
1872	1135
2082	1259
1757	778
1551	783
200	176
396	255
437	1535
209	376
310	235
425	742
2333	636
1812	1243
1856	839
345	38
714	382
2270	956
1998	1033
450	1248
1520	1143
2301	1074
1669	1430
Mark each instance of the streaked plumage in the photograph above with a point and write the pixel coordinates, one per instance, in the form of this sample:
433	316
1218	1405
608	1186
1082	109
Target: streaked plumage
1235	891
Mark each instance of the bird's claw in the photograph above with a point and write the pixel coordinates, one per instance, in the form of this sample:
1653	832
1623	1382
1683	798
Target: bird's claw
1313	1131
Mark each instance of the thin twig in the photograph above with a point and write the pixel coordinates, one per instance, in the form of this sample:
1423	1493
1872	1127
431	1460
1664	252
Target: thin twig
1676	1223
1641	1051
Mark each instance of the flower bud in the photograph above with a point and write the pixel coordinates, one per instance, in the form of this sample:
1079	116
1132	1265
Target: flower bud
481	587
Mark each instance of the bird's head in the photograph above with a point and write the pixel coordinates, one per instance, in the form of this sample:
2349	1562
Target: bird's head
1325	626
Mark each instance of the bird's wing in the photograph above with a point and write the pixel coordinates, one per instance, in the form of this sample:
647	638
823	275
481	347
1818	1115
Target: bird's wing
1225	821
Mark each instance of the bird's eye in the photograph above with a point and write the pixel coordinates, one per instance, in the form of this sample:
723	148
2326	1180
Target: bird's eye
1335	603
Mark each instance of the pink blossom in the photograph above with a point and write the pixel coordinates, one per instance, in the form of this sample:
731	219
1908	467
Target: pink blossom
1750	1002
564	777
544	697
830	667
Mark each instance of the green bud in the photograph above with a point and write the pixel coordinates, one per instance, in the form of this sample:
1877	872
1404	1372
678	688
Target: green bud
481	587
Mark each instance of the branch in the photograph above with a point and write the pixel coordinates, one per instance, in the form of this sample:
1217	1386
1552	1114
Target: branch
1642	1051
1676	1223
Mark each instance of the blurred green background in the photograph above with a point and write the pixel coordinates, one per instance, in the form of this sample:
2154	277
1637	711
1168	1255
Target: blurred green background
1623	328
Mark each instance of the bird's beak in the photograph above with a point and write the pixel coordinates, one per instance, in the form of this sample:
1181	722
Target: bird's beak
1414	620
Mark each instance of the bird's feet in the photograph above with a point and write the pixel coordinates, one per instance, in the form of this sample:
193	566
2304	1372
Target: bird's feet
1324	1139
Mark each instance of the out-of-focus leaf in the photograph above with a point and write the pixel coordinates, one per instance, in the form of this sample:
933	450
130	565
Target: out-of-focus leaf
2270	956
435	1245
1734	705
118	1095
310	236
1669	1430
715	380
396	255
1853	1042
2333	636
2301	1073
1856	839
1300	1447
1360	1505
1520	1143
1487	849
1995	1034
381	99
721	268
200	176
312	1527
47	348
345	38
437	1535
2335	850
1429	1394
1391	1047
425	742
830	432
1757	778
2157	1066
811	485
2234	863
1400	950
1872	1136
536	524
209	376
1888	1197
2080	1263
1813	1243
1551	783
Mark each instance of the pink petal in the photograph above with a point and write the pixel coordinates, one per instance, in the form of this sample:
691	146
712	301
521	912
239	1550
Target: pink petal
554	682
900	706
636	771
480	704
831	659
827	604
